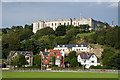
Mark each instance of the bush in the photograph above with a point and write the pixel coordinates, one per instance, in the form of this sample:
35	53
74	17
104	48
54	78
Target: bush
99	67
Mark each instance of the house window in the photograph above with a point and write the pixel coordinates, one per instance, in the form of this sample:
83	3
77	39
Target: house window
92	56
58	61
77	49
74	23
38	25
57	56
84	61
52	24
92	61
27	58
55	24
68	23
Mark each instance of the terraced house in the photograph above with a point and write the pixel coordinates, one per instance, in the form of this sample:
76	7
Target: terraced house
68	48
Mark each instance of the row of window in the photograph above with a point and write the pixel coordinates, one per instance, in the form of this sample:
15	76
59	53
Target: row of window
67	23
72	50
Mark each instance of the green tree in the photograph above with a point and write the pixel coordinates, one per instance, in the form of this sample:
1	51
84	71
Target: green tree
114	61
60	40
67	60
60	30
25	34
28	26
9	42
52	60
74	62
37	60
19	60
43	32
72	54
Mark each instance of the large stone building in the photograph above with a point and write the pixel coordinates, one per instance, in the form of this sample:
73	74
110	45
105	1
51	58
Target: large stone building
37	25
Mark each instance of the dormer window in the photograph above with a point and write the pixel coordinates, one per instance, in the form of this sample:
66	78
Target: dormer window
58	45
76	45
81	45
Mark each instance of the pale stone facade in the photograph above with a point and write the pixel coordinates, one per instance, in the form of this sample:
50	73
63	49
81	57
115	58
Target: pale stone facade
37	25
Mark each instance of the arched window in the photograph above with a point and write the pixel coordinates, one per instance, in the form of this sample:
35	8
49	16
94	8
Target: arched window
74	23
60	23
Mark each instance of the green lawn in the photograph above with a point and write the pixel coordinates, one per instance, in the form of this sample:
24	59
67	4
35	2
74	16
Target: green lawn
57	75
85	34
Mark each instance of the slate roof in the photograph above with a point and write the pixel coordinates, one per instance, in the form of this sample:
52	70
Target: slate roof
86	56
23	52
75	45
45	54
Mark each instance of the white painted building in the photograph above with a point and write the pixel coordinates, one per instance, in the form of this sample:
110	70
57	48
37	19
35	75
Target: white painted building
87	59
37	25
77	48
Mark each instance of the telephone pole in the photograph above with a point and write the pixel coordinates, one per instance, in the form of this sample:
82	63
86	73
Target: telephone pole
41	62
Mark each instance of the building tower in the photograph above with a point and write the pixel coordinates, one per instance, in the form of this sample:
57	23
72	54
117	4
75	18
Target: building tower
112	23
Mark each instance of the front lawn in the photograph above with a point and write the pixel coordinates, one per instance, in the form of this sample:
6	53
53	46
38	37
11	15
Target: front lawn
57	75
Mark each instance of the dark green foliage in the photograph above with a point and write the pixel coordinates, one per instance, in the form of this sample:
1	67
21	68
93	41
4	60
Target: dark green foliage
99	67
71	55
74	62
43	32
25	34
108	36
10	42
67	60
114	61
52	60
37	60
60	30
28	26
59	40
19	60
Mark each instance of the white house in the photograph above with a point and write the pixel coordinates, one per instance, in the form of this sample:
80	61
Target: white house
77	48
87	59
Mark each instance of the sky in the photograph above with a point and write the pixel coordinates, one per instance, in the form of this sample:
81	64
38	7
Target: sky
21	13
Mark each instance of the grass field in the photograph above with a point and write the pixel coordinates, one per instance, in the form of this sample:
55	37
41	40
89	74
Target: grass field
85	34
57	75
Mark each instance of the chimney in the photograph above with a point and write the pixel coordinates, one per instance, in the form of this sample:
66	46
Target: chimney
87	53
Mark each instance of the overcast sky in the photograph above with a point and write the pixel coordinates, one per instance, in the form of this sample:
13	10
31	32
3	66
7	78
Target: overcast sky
15	13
